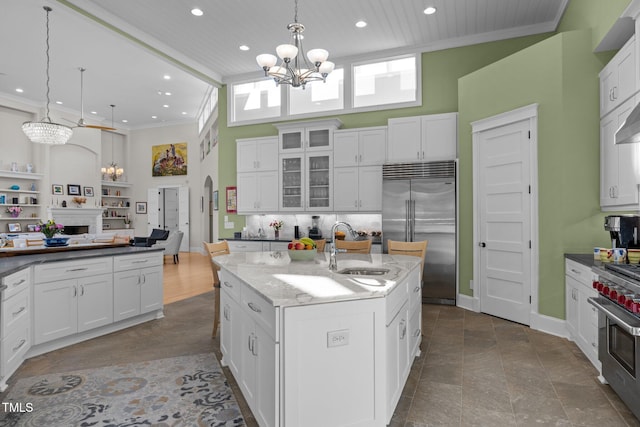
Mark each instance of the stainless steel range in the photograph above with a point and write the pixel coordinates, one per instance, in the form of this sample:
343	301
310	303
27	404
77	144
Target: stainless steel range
619	329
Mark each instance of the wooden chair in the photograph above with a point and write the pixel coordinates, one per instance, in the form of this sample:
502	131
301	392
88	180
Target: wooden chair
355	246
215	249
320	244
418	249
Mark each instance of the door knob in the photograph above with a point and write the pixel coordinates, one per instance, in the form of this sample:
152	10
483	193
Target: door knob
482	244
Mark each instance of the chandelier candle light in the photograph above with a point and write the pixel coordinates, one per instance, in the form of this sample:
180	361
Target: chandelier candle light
296	69
113	171
45	131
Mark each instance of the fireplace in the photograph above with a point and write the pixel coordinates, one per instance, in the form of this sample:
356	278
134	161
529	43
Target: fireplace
76	229
89	218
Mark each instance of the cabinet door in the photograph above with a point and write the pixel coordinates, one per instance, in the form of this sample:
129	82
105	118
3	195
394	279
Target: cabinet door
626	191
571	301
404	139
126	294
608	160
397	356
291	182
55	308
345	193
247	191
267	191
246	156
439	137
267	154
319	189
95	301
587	331
625	61
247	368
372	147
291	140
608	80
370	188
238	341
318	138
266	371
151	289
345	149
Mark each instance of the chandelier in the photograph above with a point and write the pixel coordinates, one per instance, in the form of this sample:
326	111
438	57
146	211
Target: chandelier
113	171
296	68
45	131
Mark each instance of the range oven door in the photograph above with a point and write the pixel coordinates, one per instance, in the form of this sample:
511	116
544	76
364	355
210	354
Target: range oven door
619	350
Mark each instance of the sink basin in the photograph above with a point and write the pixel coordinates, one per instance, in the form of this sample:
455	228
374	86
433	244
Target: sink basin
364	271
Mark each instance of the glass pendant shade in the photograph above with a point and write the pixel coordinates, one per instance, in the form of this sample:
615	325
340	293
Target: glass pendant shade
326	67
317	56
266	60
47	132
286	51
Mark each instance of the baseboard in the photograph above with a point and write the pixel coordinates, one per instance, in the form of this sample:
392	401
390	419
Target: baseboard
549	325
468	303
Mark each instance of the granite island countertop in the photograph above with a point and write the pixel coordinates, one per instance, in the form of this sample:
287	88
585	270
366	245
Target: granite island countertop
284	282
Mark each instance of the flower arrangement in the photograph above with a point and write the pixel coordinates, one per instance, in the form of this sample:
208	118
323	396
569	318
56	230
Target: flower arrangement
276	225
14	210
50	228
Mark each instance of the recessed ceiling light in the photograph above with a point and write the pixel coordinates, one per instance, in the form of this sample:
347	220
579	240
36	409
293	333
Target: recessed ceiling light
166	105
94	112
197	12
430	10
154	117
168	93
244	47
361	24
125	121
166	77
59	102
19	90
184	113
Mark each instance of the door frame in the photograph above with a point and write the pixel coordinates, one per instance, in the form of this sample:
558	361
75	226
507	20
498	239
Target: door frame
529	112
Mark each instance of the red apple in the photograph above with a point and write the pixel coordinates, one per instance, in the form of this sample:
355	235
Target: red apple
291	245
299	246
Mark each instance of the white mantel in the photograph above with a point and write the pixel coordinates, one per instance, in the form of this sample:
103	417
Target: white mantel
91	217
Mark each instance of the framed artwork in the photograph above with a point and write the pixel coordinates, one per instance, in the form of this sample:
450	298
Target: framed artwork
169	159
141	207
215	200
232	199
88	191
73	190
14	227
57	190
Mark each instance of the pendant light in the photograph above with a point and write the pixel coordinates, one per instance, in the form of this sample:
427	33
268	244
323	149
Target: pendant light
112	171
45	131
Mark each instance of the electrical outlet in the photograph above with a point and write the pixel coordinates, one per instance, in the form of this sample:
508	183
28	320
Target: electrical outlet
229	225
338	338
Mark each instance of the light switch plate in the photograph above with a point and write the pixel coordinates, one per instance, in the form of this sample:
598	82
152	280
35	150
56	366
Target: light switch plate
338	338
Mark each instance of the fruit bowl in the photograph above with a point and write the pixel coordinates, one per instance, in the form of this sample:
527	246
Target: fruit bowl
302	255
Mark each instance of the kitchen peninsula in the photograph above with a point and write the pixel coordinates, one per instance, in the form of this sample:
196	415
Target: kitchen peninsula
301	339
54	299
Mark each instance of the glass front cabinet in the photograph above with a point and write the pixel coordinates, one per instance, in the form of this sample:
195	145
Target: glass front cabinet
306	181
307	136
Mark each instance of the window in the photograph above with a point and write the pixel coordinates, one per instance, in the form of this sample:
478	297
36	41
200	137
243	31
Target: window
255	100
209	107
319	96
388	82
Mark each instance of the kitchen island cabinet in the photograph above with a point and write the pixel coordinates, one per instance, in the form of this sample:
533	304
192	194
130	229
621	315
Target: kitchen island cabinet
348	341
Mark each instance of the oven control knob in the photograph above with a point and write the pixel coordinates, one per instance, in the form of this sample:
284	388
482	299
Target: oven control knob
605	290
635	307
594	284
621	299
613	294
600	286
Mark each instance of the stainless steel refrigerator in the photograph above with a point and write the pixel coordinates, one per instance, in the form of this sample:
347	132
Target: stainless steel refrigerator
419	203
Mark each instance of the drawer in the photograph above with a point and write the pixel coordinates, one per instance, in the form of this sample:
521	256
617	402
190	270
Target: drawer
13	311
130	262
54	271
16	282
259	309
230	284
580	272
244	246
395	300
414	287
14	347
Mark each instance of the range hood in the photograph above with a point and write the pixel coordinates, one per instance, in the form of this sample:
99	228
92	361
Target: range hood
629	132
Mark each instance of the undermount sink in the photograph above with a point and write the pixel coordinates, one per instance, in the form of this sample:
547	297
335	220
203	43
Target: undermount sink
364	271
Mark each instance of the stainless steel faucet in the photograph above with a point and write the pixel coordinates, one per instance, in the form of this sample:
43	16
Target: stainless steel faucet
333	264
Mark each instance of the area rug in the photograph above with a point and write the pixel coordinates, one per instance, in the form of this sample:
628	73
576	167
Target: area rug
180	391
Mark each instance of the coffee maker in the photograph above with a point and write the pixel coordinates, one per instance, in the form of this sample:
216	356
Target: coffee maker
624	230
314	231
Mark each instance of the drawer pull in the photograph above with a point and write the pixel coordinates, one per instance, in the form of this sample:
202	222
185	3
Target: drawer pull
254	307
141	261
77	269
416	289
19	282
22	342
403	329
575	271
417	333
15	313
227	284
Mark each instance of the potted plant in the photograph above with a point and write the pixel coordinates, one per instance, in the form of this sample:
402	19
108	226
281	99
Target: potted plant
127	221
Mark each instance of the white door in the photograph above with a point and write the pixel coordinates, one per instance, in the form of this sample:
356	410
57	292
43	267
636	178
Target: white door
183	217
504	220
170	219
153	206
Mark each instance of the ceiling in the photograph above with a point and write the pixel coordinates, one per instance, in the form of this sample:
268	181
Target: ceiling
127	46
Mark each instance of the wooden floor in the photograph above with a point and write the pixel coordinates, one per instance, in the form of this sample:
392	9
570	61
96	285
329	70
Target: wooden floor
191	277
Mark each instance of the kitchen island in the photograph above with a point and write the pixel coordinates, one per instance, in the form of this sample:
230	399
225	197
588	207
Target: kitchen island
54	299
310	347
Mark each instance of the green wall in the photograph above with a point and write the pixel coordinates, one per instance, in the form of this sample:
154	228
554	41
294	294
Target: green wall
598	15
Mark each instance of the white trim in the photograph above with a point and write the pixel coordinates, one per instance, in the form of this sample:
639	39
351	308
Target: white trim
549	325
468	303
529	112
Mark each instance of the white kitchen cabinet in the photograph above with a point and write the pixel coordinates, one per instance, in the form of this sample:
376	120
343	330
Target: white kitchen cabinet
357	189
257	192
307	136
423	138
257	154
619	176
581	317
306	181
398	362
618	78
360	147
137	287
66	307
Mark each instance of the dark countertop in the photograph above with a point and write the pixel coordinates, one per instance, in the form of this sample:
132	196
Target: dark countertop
584	259
284	240
12	264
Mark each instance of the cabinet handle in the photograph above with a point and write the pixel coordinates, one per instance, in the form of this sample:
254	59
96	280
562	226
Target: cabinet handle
249	343
360	159
144	279
418	155
254	347
613	91
356	158
76	269
416	289
360	204
18	283
403	330
593	344
574	271
142	261
22	342
227	284
75	291
15	313
81	290
254	307
417	333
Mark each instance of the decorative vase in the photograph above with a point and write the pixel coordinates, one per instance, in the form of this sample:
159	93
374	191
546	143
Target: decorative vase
277	234
127	225
15	214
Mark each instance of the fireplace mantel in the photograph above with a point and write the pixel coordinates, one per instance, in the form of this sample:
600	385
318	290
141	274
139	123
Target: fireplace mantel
91	217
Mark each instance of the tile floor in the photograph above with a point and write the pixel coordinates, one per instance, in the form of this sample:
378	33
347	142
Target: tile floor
474	370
